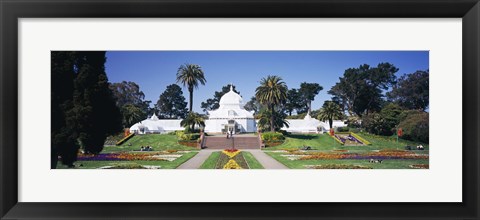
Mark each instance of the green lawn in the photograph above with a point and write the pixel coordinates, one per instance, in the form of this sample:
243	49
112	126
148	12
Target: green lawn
211	161
156	141
159	143
163	164
252	162
386	164
325	143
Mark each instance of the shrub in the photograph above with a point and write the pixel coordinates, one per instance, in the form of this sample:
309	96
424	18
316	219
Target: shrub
272	136
189	137
376	124
284	132
343	129
179	134
415	127
189	130
353	122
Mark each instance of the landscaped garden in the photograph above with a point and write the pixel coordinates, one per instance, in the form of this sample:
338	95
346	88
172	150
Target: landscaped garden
325	152
231	159
152	151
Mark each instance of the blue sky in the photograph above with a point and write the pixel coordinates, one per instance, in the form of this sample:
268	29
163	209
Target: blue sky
155	70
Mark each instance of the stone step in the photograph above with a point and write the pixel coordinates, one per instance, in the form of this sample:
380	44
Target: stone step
224	143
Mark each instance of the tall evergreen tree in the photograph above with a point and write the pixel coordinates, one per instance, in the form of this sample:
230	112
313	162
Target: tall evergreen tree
171	103
293	101
360	89
63	134
127	93
97	115
412	91
131	102
307	93
253	105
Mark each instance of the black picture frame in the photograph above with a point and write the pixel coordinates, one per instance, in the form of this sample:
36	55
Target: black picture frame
12	10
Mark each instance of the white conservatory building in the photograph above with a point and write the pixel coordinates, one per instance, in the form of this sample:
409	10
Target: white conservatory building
154	125
230	116
310	125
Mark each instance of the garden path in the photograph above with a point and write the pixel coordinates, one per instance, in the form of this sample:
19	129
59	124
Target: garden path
266	161
196	161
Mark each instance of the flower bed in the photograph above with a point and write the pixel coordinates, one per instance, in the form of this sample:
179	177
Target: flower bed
231	152
273	143
336	166
290	150
380	155
339	139
349	137
231	159
188	143
156	156
419	166
231	164
360	138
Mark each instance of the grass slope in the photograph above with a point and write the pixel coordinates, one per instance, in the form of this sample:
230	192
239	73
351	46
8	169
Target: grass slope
156	141
326	142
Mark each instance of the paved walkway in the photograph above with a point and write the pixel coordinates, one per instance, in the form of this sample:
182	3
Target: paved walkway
266	161
196	161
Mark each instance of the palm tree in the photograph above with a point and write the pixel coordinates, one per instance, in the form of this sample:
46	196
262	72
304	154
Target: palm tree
193	119
131	115
190	75
271	92
330	111
264	120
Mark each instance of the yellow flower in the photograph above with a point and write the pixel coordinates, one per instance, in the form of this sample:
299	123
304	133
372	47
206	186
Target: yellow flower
231	164
231	154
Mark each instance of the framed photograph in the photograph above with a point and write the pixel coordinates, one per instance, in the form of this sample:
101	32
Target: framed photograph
125	109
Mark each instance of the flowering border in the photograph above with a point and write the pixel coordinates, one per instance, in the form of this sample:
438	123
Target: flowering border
125	139
360	138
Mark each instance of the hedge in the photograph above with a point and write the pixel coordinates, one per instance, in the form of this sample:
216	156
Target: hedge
272	136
